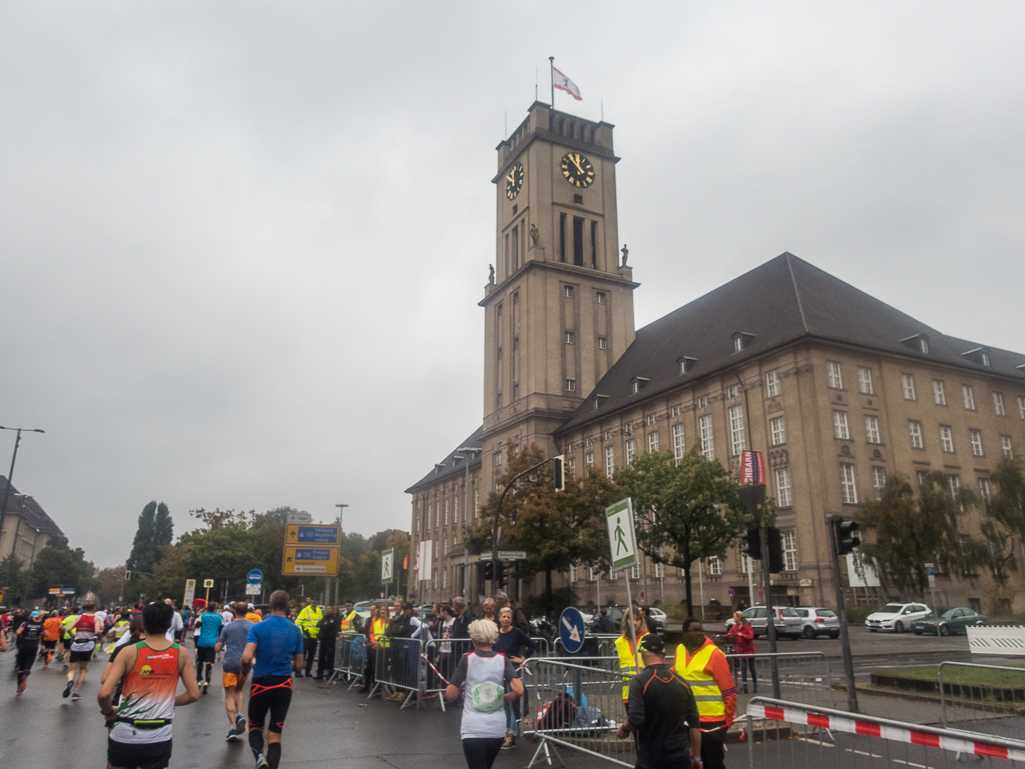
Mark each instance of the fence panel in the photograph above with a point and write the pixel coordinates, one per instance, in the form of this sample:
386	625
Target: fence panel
803	676
991	706
576	706
791	735
350	658
397	665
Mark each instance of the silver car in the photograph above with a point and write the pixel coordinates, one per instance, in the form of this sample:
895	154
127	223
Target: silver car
818	621
787	621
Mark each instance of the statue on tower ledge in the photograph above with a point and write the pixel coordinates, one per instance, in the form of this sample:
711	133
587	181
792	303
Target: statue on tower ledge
626	253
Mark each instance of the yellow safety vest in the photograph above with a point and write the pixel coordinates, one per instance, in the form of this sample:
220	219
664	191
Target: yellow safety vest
377	636
711	705
308	619
629	660
347	622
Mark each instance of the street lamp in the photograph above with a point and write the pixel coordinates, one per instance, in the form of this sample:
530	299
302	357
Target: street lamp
7	489
466	453
341	509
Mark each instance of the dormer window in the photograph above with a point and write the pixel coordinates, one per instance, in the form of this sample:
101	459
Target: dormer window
637	384
741	340
685	364
919	343
598	401
978	355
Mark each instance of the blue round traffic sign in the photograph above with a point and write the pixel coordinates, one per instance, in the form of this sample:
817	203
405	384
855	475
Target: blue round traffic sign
255	577
571	629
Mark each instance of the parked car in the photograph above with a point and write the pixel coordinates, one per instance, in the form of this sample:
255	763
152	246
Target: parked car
787	621
896	617
660	619
817	621
951	622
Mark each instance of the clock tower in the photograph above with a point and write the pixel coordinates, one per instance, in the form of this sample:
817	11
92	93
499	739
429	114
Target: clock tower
559	304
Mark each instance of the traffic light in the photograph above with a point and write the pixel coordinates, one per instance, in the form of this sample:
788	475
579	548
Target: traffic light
775	550
489	570
846	538
128	576
501	574
754	544
559	472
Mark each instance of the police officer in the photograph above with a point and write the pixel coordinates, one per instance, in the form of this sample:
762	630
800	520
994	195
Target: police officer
308	620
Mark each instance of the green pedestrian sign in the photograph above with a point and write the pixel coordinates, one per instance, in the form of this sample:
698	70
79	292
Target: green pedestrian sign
387	566
622	543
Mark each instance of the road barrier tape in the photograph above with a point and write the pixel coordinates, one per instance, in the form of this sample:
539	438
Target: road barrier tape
436	671
931	739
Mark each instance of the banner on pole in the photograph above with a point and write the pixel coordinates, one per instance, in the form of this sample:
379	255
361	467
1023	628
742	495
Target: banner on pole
752	467
424	559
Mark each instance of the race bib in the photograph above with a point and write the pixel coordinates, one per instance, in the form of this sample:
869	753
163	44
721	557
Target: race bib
487	697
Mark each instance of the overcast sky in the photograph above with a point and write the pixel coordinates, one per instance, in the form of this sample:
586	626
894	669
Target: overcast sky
242	244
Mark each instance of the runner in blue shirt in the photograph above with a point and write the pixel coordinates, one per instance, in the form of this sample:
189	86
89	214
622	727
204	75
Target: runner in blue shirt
277	644
210	629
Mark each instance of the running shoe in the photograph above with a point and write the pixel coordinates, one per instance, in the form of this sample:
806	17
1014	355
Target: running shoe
261	762
206	687
67	689
240	724
21	687
76	697
231	735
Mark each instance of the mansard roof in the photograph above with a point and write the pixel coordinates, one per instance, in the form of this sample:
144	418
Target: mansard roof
30	510
778	303
453	463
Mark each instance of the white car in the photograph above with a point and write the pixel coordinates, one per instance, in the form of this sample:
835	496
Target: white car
896	617
819	621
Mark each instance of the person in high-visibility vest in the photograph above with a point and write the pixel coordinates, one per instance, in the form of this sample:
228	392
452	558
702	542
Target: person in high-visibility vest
378	640
350	615
703	666
308	619
630	662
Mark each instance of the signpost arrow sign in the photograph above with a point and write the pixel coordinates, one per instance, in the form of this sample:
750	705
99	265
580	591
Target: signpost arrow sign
571	629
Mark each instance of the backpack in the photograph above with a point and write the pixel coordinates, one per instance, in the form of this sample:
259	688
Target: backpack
557	714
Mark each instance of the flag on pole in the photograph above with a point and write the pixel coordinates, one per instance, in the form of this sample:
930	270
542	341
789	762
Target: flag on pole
752	467
405	562
564	83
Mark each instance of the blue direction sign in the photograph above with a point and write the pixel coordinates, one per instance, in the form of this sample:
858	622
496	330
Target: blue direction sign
312	534
255	577
571	629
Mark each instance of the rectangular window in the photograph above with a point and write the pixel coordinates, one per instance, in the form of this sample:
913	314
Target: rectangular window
635	572
600	296
1021	406
968	394
610	462
516	343
571	385
848	490
835	377
498	400
516	391
500	353
515	247
592	574
915	429
947	439
678	447
562	237
567	291
1005	446
778	430
907	383
878	480
738	343
497	458
985	493
733	391
923	477
674	412
738	437
573	572
864	380
703	402
939	395
772	384
594	245
628	429
954	482
660	571
783	496
650	420
446	511
570	337
631	450
789	551
653	443
603	343
998	404
578	241
975	438
715	566
840	429
746	564
589	460
476	502
707	441
872	429
516	298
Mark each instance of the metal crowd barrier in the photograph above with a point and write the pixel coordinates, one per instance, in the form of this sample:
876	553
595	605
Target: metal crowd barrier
803	676
982	707
397	665
350	658
791	735
441	657
575	706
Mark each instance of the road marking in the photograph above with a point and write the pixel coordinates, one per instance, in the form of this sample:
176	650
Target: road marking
822	744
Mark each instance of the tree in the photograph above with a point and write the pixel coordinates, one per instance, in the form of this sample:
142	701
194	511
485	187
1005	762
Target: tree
688	510
1003	519
910	532
57	565
555	529
15	580
109	583
155	530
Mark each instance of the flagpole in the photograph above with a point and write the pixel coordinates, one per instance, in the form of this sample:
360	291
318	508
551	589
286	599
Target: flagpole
551	62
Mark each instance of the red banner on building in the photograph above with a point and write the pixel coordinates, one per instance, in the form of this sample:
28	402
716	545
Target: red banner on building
752	467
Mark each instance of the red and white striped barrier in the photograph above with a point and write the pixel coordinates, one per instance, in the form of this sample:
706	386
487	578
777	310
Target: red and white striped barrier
887	731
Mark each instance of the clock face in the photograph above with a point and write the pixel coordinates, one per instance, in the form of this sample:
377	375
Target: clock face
514	181
577	169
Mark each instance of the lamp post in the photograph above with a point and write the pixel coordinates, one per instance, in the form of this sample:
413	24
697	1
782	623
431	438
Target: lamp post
7	488
341	509
467	452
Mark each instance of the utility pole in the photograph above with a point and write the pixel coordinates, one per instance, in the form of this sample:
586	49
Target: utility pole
341	508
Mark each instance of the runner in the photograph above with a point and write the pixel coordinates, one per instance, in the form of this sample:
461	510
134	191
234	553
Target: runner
67	634
233	642
177	624
210	628
29	635
277	645
51	632
149	671
87	628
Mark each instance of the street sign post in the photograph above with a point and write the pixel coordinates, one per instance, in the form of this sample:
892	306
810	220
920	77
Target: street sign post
387	566
253	589
512	555
323	535
300	518
571	630
310	560
208	583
